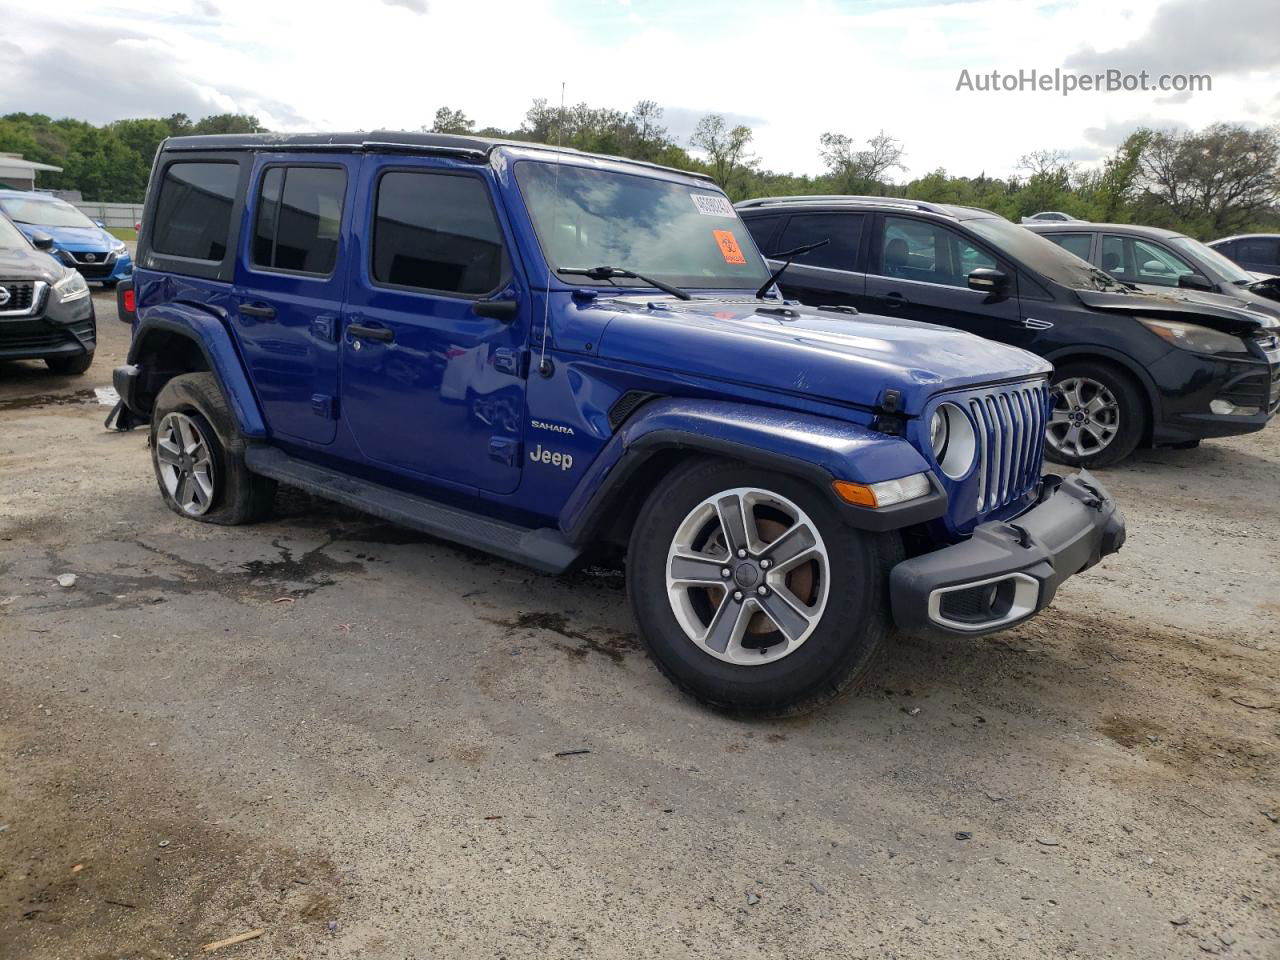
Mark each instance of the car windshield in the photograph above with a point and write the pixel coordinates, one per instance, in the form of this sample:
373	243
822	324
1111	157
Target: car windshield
1043	256
1226	269
11	238
44	213
689	236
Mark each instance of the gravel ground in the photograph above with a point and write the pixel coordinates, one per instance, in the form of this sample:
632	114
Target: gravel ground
346	735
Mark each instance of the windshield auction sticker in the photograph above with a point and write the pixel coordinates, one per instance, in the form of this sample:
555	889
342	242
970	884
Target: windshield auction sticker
710	205
729	248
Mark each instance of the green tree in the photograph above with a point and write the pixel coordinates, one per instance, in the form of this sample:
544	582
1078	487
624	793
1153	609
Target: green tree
452	121
727	149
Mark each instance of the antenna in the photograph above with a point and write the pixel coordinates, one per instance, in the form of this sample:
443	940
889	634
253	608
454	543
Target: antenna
544	365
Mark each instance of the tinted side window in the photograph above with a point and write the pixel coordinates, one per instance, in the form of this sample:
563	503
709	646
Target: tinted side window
844	230
918	250
437	232
299	219
1077	243
1257	250
193	211
762	231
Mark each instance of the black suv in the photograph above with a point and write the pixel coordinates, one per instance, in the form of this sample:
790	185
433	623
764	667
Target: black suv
1132	368
45	309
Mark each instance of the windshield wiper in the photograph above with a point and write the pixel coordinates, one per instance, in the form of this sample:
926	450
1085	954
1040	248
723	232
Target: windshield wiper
610	273
788	256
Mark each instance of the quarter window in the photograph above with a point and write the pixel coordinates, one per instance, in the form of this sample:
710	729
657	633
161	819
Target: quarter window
918	250
1077	243
193	211
844	230
437	232
299	219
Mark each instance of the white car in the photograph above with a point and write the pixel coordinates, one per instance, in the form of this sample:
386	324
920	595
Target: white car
1051	216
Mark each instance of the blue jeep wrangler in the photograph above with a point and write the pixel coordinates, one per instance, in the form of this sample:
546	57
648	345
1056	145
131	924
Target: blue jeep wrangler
548	355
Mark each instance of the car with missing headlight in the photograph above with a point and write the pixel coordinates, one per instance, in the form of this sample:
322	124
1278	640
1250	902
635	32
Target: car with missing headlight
553	356
78	242
46	312
1131	368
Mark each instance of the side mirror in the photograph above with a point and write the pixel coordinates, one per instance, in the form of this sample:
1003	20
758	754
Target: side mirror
101	223
1193	281
987	280
504	310
42	241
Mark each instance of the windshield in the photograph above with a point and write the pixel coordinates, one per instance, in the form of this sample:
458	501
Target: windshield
687	236
1226	269
44	213
1043	256
11	238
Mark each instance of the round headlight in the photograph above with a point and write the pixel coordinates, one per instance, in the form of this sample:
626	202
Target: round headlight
954	443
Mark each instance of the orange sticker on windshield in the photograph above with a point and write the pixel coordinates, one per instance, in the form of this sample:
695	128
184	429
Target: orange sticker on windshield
729	248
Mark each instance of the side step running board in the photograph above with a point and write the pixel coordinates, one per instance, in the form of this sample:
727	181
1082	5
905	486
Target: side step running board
544	549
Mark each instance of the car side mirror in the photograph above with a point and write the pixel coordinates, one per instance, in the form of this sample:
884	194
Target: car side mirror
1193	281
42	241
987	280
101	223
504	310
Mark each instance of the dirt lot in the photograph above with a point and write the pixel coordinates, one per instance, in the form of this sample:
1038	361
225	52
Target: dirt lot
345	734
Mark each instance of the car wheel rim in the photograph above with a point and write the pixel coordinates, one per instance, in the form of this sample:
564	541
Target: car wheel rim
1085	417
748	576
185	462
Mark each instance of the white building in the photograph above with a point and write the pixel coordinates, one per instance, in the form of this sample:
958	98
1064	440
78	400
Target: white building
20	174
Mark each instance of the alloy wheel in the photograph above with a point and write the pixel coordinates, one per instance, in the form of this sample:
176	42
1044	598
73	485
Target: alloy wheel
186	463
747	576
1085	417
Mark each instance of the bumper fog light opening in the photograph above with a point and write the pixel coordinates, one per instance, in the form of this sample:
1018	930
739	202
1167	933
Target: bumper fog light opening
1225	408
981	605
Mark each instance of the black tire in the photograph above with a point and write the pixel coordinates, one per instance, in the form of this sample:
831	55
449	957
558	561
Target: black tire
70	366
1133	410
852	627
239	496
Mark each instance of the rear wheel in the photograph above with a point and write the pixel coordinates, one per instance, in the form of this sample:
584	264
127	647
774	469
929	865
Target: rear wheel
70	366
751	593
198	455
1098	418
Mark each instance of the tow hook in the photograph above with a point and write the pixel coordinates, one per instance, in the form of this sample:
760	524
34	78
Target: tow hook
1096	501
1020	533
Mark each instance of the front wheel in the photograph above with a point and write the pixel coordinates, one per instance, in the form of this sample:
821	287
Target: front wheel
751	593
1099	415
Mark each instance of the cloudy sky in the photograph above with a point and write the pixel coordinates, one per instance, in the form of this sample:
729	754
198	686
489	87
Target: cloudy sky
791	69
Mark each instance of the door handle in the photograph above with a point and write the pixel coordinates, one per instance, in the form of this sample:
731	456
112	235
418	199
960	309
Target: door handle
893	300
381	334
258	310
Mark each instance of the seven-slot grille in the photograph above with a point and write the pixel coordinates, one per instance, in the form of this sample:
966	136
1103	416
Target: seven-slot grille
21	294
1010	423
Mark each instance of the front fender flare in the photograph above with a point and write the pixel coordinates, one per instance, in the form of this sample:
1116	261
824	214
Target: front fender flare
819	449
206	331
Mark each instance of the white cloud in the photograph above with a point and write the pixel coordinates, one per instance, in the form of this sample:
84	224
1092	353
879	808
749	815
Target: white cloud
800	69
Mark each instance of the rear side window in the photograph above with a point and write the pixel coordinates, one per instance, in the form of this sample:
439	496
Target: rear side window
1077	243
762	230
844	230
193	211
1257	250
299	219
437	232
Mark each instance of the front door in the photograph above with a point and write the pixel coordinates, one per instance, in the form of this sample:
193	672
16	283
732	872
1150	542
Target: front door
432	371
920	270
289	290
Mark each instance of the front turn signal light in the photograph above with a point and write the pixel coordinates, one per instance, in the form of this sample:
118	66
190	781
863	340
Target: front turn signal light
886	493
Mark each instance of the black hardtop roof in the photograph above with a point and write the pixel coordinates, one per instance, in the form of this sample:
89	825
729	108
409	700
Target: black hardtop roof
1085	226
477	149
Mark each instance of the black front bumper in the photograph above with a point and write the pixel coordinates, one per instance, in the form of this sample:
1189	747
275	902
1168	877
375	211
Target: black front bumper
1008	571
35	338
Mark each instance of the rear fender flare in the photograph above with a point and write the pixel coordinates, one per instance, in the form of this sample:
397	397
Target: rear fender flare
818	449
207	332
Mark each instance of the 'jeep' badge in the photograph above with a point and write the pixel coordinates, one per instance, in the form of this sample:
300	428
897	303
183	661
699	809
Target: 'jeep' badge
5	296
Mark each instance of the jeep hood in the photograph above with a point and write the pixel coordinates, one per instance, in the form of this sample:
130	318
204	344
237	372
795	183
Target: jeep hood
1219	316
800	350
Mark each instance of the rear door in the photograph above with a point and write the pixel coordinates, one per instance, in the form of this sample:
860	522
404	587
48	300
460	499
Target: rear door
289	289
431	386
831	275
920	270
